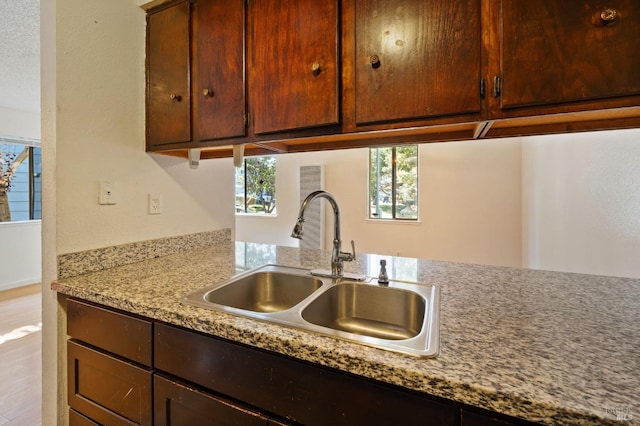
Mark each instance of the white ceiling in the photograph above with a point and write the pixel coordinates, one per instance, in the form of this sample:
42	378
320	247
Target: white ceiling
20	55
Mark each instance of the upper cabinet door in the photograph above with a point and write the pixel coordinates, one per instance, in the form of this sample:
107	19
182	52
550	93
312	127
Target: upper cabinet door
293	64
168	88
570	50
416	59
218	33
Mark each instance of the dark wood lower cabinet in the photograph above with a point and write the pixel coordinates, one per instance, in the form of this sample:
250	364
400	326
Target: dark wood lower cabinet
295	390
198	379
179	404
123	335
106	389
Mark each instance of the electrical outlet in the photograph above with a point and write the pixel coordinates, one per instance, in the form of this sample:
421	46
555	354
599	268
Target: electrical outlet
107	194
155	203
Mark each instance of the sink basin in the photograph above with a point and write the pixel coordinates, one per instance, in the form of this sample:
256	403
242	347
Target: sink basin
264	291
401	317
382	312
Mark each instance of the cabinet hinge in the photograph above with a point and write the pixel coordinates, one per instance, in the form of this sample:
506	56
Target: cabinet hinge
483	88
245	119
497	86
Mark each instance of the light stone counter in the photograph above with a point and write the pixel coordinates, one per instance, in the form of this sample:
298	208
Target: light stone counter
549	347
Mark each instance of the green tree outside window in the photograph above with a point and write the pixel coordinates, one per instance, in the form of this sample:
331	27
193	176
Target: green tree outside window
393	182
256	186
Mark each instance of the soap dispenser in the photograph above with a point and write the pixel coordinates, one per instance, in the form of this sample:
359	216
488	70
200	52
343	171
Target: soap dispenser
383	278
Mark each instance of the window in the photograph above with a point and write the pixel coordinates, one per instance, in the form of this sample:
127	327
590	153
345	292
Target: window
393	182
20	181
256	186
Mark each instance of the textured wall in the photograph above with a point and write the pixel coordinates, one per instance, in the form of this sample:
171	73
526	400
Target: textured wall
100	136
581	195
20	261
21	124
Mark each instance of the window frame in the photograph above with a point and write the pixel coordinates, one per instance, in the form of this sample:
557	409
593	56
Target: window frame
31	145
245	212
394	218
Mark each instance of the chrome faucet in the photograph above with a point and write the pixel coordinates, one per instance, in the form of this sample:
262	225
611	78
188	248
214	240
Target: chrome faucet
337	256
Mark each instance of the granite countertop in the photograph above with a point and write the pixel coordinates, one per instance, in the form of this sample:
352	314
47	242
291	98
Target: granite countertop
549	347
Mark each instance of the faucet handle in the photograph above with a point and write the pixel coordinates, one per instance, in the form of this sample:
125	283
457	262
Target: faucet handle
348	257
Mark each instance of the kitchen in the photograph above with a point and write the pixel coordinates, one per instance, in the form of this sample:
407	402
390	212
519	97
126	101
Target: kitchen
93	129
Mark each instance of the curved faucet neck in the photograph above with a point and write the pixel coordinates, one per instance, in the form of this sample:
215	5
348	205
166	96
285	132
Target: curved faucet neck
336	255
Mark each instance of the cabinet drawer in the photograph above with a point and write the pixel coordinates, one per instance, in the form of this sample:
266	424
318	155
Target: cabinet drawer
77	419
117	333
295	390
176	404
106	389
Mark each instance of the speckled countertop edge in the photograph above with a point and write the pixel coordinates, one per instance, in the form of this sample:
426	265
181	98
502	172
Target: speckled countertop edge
548	347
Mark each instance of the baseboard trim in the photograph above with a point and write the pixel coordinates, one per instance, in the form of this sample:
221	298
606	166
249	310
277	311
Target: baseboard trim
22	290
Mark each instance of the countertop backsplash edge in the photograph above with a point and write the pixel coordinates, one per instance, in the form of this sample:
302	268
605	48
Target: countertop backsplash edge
87	261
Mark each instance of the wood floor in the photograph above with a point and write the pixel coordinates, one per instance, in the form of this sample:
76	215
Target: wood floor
20	357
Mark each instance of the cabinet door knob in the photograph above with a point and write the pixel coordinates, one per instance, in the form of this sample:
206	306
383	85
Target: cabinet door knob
207	93
175	97
375	61
608	15
316	68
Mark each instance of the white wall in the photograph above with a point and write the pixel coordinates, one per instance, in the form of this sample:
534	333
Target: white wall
581	197
19	124
100	135
470	204
52	393
20	262
93	129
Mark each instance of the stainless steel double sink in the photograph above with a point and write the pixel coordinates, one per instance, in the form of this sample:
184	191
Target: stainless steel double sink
400	316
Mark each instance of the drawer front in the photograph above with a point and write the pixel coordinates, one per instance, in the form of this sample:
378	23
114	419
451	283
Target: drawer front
291	389
123	335
106	389
176	404
77	419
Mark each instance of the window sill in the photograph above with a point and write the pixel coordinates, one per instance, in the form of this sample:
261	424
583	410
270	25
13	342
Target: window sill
264	215
394	221
19	223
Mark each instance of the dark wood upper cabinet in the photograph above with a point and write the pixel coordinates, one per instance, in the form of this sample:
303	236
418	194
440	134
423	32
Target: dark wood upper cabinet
308	75
416	59
219	89
293	65
168	69
557	52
